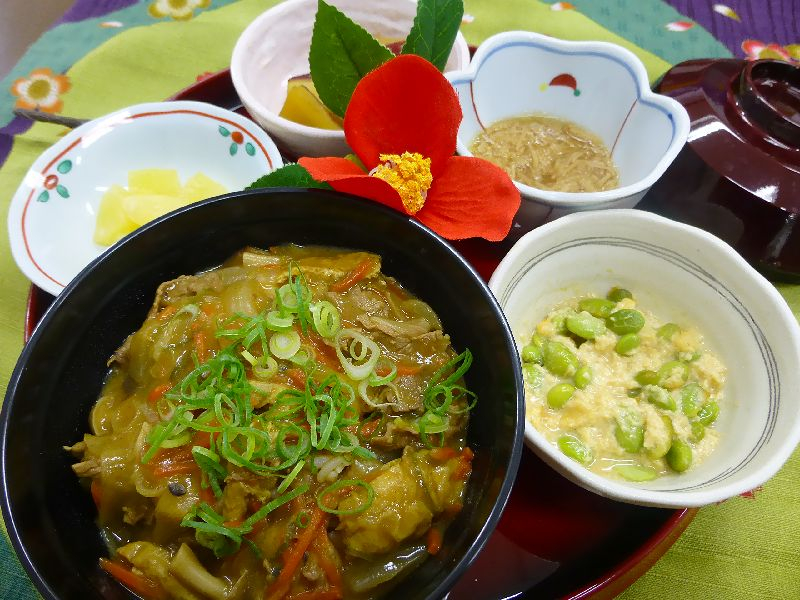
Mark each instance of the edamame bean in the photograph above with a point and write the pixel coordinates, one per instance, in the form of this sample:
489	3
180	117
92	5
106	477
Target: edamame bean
559	394
573	447
692	398
646	377
597	307
629	430
538	340
585	325
709	413
533	374
673	374
625	320
559	360
532	354
659	396
636	473
688	356
616	294
698	431
559	320
627	344
583	377
634	392
666	331
679	457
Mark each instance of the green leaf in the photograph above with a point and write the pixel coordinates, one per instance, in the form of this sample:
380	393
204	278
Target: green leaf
342	52
291	175
434	30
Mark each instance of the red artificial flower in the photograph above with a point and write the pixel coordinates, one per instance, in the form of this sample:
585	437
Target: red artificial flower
402	122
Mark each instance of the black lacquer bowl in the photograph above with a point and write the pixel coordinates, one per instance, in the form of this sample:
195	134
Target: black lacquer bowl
51	518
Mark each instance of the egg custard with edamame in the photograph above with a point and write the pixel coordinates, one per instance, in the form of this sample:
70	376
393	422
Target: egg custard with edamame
621	392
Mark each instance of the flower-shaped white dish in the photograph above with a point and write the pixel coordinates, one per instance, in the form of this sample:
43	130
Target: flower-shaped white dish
274	48
52	215
688	276
600	86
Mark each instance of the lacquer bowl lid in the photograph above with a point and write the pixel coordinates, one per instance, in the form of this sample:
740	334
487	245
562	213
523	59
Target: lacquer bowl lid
739	174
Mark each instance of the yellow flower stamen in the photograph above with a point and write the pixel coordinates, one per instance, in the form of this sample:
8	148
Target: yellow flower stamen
408	173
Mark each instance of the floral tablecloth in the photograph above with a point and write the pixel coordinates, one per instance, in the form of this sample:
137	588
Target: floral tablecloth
105	54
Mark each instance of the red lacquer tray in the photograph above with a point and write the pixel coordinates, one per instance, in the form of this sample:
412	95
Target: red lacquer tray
554	539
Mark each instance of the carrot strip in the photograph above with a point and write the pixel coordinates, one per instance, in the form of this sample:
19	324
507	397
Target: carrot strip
443	454
297	377
209	309
166	312
464	467
402	369
325	354
173	461
201	438
169	469
97	492
139	584
368	429
157	392
434	541
353	277
323	550
293	556
200	340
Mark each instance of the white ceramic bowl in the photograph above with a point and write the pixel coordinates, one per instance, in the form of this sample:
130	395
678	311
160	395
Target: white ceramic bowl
685	275
598	85
274	48
52	215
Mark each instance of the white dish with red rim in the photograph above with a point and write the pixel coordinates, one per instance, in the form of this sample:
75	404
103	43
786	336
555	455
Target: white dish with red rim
52	215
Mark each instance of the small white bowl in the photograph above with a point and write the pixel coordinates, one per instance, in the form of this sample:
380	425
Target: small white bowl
52	215
686	275
597	85
274	48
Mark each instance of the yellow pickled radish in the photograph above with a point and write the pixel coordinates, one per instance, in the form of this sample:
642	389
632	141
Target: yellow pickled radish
154	181
112	222
143	208
151	193
200	187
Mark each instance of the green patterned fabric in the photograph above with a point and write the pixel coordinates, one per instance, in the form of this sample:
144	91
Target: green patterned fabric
743	548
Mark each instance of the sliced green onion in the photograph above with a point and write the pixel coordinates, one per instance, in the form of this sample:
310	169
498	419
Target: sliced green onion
265	368
276	322
303	357
378	399
375	379
262	512
326	318
364	354
178	440
284	345
291	476
342	484
286	299
303	519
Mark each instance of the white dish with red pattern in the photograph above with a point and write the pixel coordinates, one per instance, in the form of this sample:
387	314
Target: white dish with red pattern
600	86
52	215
